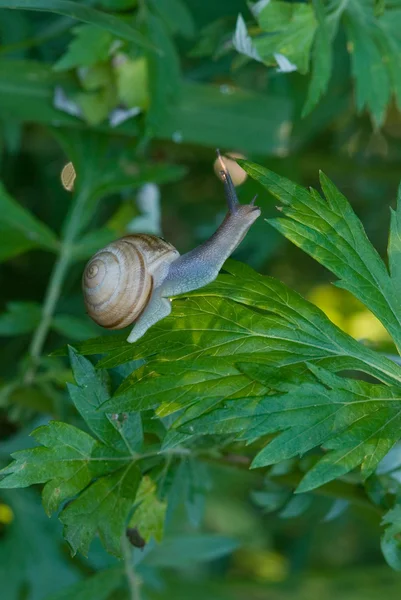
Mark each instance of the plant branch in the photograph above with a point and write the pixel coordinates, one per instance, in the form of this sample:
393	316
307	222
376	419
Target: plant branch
57	278
134	583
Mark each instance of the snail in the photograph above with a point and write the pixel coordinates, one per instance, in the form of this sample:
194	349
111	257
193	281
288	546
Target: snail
131	280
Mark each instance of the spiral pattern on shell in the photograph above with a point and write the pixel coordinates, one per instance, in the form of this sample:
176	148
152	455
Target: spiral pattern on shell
118	280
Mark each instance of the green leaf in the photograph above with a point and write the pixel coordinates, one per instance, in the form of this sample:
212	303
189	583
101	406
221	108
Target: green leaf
32	563
367	39
263	120
99	586
84	13
20	318
103	508
99	479
164	75
92	241
321	60
99	345
13	243
179	551
118	4
150	513
74	328
291	28
331	233
17	219
133	83
69	460
124	432
27	92
90	46
394	244
90	393
295	507
96	106
176	15
390	542
359	422
172	385
74	451
288	330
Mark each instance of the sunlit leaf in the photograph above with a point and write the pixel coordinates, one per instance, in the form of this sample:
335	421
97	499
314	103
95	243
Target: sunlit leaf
330	232
90	45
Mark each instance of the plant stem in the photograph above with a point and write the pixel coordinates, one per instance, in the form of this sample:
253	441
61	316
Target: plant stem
134	583
57	278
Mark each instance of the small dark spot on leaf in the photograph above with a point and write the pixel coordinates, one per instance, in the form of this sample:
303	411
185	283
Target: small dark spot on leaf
135	537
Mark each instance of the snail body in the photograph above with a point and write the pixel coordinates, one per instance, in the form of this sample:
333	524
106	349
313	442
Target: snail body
131	280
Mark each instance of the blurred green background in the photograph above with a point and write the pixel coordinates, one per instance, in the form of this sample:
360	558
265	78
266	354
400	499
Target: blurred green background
201	94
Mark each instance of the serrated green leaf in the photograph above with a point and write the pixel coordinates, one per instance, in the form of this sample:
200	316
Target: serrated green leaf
90	46
103	508
359	421
123	432
366	42
130	429
77	10
38	465
331	233
286	330
67	460
90	393
170	386
321	60
291	28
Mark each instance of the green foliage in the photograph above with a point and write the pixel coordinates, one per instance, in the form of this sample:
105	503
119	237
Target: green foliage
305	33
21	317
69	460
179	455
23	230
265	359
291	29
332	234
90	46
79	11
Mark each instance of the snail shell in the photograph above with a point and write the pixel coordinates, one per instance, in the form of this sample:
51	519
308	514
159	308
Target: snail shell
118	280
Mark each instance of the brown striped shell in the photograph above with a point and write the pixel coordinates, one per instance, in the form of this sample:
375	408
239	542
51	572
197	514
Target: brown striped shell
118	280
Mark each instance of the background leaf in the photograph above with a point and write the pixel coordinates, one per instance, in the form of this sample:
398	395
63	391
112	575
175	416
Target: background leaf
82	13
